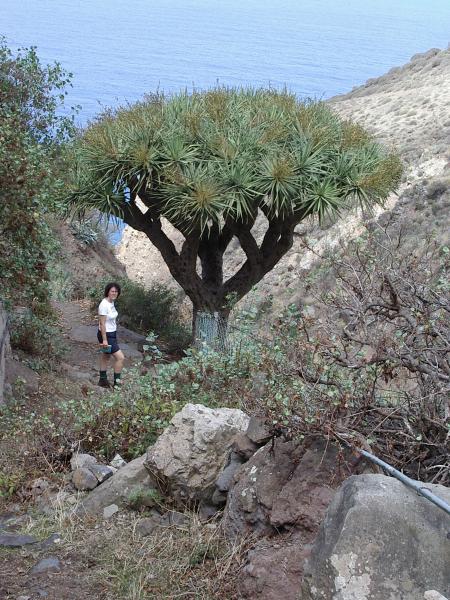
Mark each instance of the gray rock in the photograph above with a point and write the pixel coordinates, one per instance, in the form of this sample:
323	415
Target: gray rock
225	479
380	541
147	526
50	542
118	462
16	371
118	488
188	457
11	540
257	431
218	498
433	595
110	510
84	480
207	512
173	518
80	460
47	565
39	486
101	472
243	446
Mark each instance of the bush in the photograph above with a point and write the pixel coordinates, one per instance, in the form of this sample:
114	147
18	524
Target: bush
38	338
145	310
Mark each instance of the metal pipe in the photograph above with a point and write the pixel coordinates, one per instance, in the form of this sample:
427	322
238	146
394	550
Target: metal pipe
412	483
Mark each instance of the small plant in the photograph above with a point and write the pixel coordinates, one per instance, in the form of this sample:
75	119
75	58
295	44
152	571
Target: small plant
9	484
142	498
85	231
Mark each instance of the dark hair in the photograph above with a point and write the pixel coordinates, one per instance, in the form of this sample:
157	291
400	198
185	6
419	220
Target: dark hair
108	287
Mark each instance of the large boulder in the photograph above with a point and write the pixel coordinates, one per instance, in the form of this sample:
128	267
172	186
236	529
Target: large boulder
120	489
284	486
380	541
188	457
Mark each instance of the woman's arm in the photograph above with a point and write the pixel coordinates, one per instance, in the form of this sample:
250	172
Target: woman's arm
102	322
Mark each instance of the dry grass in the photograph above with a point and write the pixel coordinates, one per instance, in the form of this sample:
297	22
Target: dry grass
116	563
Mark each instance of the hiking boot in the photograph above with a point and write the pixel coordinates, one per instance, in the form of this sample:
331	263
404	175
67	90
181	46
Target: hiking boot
104	383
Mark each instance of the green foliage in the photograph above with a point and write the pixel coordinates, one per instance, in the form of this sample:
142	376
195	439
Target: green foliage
144	310
31	138
144	498
219	155
9	484
85	232
35	335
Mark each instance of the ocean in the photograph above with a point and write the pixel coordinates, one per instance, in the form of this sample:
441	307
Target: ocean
118	51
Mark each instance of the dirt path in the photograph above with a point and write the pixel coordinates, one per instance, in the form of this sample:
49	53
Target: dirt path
78	576
79	331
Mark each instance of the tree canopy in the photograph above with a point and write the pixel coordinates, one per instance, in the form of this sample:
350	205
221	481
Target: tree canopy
209	162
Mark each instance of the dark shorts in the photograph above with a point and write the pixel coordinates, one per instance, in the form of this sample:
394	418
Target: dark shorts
112	340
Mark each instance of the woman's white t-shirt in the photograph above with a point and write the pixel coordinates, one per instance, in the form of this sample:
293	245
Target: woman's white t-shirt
108	310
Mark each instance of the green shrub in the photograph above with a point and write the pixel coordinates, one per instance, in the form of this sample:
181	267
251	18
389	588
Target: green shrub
37	337
145	310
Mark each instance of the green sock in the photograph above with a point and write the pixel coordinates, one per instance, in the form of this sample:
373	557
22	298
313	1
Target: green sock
116	378
103	376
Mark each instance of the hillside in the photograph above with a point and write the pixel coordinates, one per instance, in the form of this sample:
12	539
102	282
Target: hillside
406	108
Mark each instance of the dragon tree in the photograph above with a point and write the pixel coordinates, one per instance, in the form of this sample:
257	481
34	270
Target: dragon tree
211	162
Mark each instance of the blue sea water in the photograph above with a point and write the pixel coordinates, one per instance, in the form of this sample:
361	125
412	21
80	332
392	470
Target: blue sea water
118	50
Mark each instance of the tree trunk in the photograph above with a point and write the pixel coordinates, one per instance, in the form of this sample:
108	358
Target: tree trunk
210	329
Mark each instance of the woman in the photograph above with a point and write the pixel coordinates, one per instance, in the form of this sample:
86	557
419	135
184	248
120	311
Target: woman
107	335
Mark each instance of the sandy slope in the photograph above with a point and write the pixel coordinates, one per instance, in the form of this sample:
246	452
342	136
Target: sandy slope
408	108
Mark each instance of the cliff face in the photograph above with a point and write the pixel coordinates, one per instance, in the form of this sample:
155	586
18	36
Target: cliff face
407	108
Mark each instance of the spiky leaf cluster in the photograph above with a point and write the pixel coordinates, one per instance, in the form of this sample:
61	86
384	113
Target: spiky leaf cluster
218	156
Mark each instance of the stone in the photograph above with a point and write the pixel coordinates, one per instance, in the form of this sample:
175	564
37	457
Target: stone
174	518
206	512
83	479
50	542
110	510
380	541
243	446
274	569
118	488
47	565
10	540
101	472
257	431
219	498
225	479
188	457
80	460
39	486
433	595
19	376
117	462
287	487
147	526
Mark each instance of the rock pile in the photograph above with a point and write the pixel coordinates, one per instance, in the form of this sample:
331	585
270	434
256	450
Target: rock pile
88	473
372	540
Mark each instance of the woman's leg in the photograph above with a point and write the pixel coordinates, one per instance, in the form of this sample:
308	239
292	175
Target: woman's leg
104	363
118	365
